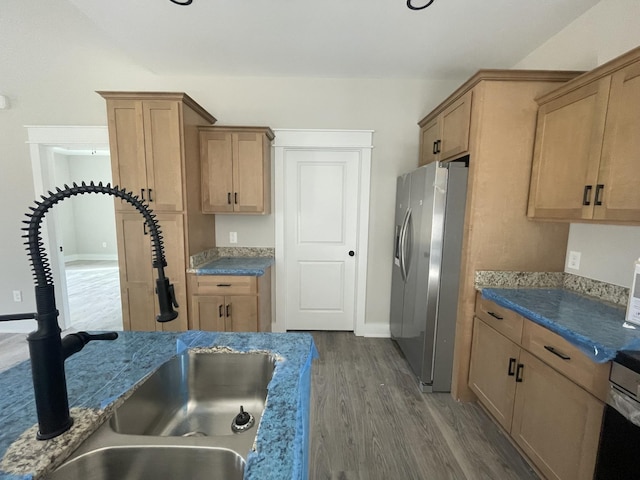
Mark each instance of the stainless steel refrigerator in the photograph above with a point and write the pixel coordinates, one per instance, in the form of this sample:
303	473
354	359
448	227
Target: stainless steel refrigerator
429	224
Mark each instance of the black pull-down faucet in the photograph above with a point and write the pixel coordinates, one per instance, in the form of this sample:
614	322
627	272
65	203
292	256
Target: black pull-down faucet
47	349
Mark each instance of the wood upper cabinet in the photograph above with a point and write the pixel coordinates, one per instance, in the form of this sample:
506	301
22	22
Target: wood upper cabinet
148	150
586	148
153	138
446	136
236	169
619	166
542	390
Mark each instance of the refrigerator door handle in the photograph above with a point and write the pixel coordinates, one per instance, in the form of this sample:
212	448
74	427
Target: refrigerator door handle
408	248
403	245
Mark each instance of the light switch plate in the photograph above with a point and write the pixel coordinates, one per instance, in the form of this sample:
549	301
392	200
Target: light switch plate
574	260
233	237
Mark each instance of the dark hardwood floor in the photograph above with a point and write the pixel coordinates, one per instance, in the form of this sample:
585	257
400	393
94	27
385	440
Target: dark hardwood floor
369	421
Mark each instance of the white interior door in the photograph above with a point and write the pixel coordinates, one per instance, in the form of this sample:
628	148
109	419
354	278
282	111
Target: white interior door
321	230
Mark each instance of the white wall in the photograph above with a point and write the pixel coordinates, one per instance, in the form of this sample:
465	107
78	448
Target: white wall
64	211
94	215
54	82
605	31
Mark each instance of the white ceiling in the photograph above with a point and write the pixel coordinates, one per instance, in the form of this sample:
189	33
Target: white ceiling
330	38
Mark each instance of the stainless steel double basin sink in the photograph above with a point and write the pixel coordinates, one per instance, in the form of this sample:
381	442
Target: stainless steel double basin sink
177	424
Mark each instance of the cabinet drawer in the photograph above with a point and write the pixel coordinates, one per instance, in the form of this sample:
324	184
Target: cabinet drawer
505	321
566	359
225	285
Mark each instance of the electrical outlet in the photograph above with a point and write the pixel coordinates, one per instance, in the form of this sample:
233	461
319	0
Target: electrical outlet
104	244
233	237
574	260
17	296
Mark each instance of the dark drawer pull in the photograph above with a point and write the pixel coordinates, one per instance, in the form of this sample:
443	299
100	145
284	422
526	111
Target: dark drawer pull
229	198
556	352
519	373
150	199
228	310
586	195
220	314
598	199
495	315
434	150
512	367
235	198
223	285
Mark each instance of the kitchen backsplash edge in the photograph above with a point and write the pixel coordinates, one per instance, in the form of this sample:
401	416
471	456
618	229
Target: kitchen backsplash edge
593	288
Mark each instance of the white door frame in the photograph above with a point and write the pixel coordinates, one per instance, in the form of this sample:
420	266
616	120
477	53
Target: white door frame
42	140
352	140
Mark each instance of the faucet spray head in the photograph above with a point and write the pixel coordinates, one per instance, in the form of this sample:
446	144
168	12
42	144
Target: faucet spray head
166	300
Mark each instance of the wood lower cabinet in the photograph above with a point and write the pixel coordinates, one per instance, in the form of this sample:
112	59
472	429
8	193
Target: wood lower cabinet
546	398
555	422
231	303
446	136
236	169
491	375
138	279
153	139
586	148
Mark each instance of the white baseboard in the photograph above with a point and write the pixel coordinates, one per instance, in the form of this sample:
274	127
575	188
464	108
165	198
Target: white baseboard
91	256
378	330
18	326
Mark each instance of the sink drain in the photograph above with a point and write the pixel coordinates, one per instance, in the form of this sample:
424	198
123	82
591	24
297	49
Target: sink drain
243	421
194	434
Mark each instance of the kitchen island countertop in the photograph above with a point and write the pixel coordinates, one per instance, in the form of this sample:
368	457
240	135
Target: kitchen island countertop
99	377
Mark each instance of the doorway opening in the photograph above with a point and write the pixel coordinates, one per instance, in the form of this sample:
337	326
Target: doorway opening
79	233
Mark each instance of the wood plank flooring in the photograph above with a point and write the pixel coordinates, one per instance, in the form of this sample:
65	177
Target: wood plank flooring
369	421
93	290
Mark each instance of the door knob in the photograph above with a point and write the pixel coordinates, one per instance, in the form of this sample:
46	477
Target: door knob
351	253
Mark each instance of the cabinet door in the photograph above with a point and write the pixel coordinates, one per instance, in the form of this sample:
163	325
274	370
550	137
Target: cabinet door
429	135
455	122
242	313
492	369
248	172
567	153
555	422
216	157
126	142
163	153
208	313
619	168
136	281
172	227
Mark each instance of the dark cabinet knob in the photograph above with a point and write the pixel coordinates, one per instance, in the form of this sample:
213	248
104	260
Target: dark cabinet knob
351	253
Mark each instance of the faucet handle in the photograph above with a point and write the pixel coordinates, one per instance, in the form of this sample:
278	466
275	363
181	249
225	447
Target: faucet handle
74	342
102	336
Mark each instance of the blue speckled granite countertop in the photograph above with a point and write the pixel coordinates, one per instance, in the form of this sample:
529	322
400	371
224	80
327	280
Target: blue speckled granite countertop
250	266
593	326
104	371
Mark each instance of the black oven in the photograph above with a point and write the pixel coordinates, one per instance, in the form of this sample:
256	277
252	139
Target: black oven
619	450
